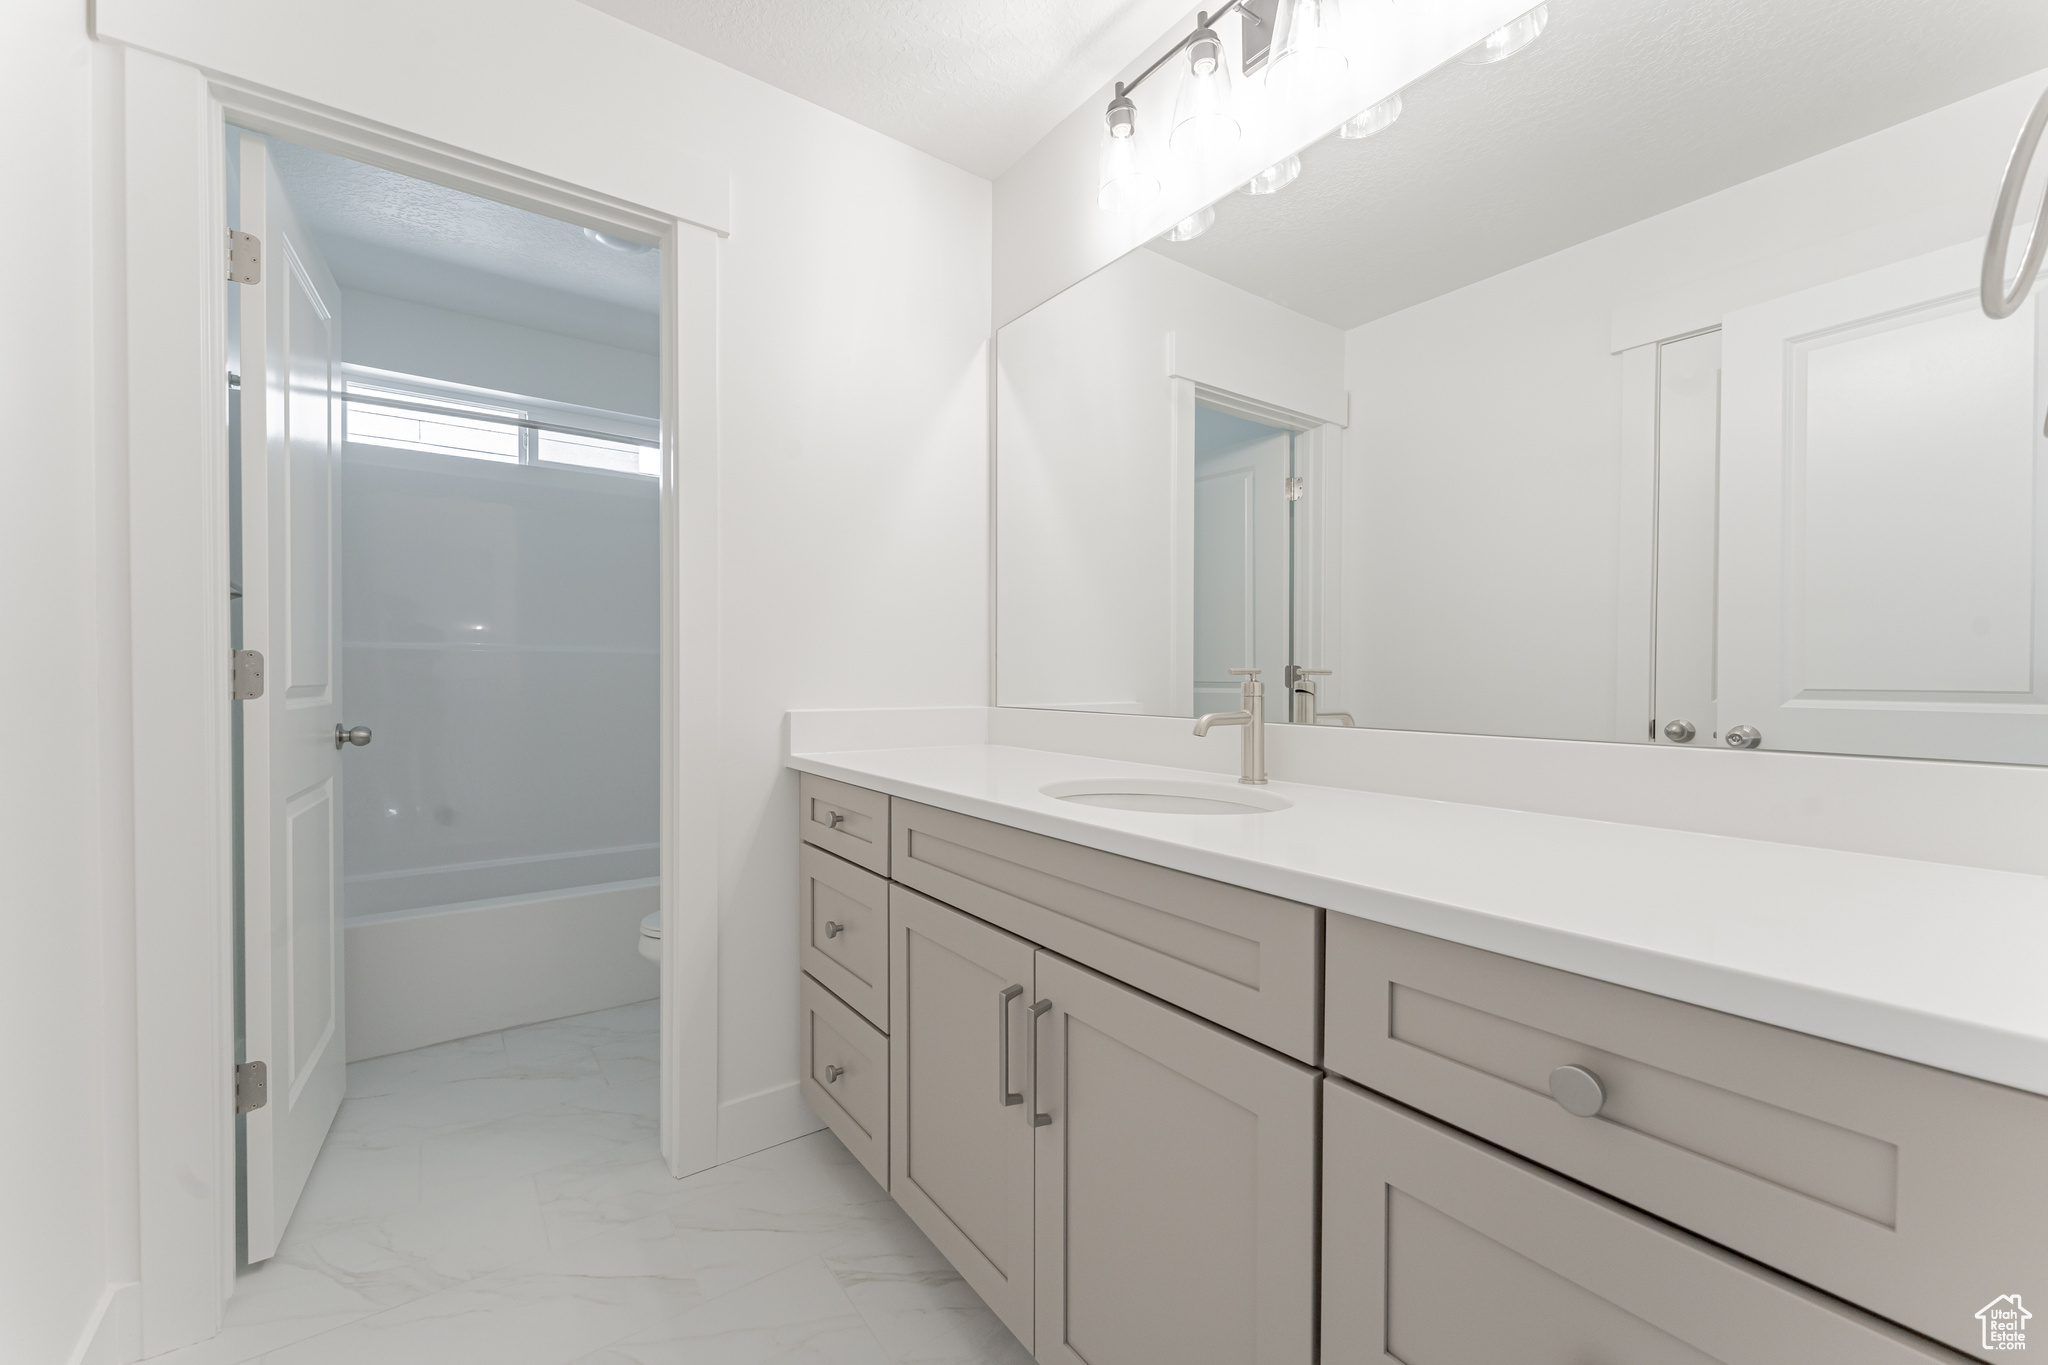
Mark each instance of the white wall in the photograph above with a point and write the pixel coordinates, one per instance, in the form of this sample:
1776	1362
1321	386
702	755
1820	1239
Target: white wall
1484	464
501	638
1094	487
462	348
852	528
61	901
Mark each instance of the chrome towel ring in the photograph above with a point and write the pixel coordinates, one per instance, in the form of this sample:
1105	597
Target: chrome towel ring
1997	302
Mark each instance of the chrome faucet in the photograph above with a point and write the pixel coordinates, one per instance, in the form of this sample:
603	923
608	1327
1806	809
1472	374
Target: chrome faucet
1301	694
1253	719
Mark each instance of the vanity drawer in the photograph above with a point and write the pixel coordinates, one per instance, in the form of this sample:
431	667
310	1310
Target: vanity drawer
1242	959
844	928
846	1075
1441	1250
1914	1192
850	821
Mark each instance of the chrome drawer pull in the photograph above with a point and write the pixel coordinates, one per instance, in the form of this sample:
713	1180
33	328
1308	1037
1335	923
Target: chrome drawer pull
1577	1091
1003	1000
833	928
833	1073
838	818
1038	1120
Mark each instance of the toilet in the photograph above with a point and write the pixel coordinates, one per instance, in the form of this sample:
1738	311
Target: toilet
650	937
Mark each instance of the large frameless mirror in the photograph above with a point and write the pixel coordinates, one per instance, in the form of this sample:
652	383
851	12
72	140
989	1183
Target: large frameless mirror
1633	386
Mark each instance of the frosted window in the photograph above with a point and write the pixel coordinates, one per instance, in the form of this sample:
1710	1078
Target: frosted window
480	438
593	453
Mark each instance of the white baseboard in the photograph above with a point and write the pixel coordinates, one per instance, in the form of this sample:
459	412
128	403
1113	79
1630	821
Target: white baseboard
113	1335
755	1122
419	978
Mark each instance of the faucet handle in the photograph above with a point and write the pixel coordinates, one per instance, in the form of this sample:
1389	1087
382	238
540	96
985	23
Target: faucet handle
1247	672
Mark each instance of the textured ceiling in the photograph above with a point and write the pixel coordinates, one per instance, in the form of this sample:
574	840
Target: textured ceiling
391	234
1621	110
973	82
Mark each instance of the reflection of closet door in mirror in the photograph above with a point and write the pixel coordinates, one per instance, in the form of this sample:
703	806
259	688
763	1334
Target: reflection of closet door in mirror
1688	474
1241	553
1884	543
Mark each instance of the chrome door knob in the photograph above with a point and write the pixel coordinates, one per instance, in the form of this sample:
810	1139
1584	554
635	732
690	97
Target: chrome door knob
1680	731
1577	1091
1744	737
358	736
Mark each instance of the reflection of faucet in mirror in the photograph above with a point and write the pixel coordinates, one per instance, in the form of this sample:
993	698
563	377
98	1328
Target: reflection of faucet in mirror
1301	693
1253	718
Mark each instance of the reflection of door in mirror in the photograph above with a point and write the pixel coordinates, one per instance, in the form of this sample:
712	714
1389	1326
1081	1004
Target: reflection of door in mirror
1241	550
1884	503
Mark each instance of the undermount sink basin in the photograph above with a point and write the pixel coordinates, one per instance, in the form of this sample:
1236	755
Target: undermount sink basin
1166	797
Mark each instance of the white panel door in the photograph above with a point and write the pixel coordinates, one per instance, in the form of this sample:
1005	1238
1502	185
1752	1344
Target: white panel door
1884	537
292	947
1241	571
1688	497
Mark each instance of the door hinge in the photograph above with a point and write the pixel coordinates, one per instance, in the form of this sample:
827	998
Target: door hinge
252	1086
245	258
248	673
1294	489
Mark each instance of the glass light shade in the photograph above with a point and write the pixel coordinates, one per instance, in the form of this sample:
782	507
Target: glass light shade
1203	121
1125	185
1275	177
1377	119
1192	226
1306	61
1508	39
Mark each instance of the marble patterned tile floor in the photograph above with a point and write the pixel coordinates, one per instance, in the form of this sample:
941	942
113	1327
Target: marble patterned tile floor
502	1200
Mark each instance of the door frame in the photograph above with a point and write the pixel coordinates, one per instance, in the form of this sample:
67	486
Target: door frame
1314	604
170	219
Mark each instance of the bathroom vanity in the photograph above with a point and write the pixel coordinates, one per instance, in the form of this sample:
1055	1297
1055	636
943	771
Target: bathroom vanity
1304	1084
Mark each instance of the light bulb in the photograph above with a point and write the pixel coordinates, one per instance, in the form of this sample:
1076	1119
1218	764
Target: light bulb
1124	184
1306	61
1275	177
1377	119
1203	123
1192	226
1508	39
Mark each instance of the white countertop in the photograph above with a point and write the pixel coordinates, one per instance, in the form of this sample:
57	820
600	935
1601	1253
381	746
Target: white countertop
1940	964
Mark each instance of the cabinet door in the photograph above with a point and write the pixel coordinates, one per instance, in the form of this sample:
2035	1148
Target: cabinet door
1441	1250
960	993
1176	1184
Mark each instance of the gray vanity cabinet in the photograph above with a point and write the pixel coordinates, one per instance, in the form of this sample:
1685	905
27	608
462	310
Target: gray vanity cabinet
1913	1192
960	1160
1176	1185
1442	1250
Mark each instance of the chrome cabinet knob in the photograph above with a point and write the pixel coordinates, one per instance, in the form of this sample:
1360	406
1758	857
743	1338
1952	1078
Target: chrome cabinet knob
358	736
836	819
833	928
1680	731
1577	1091
833	1073
1744	737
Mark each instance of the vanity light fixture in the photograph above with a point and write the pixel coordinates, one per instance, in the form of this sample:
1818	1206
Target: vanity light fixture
1203	121
1275	177
1508	39
1192	226
1306	62
1125	186
1377	119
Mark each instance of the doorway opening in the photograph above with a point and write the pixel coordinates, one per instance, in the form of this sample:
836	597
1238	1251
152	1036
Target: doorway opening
445	545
